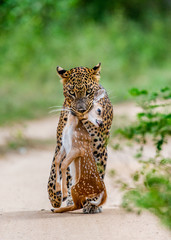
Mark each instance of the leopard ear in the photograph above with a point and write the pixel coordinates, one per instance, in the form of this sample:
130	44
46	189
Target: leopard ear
63	74
96	71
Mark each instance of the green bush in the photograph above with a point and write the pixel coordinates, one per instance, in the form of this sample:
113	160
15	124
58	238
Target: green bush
150	121
152	188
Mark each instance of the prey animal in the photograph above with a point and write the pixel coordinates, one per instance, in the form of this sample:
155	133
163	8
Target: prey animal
76	145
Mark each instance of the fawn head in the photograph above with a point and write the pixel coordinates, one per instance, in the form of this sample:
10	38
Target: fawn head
95	115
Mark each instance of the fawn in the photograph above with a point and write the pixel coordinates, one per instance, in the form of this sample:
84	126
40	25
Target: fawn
76	145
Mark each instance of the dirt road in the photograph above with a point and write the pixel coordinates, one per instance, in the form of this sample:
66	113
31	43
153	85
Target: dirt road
111	224
25	208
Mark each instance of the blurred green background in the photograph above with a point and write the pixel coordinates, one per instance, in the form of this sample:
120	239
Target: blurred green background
130	38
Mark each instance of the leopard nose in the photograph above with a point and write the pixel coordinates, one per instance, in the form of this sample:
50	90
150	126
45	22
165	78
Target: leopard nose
100	123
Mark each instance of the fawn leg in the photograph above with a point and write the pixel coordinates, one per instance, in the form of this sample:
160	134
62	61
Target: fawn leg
72	155
77	202
77	170
65	209
58	160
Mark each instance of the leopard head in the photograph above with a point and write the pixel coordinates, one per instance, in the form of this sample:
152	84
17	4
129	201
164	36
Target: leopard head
79	87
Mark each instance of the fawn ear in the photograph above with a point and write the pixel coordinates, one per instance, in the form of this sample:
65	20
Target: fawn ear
63	74
96	72
99	94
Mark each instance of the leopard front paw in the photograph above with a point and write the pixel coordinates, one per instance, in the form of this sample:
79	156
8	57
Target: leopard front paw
91	209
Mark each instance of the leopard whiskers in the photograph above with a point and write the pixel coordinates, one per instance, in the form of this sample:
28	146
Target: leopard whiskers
59	110
56	107
111	95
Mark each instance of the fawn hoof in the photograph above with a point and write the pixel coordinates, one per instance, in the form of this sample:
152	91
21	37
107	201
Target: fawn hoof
55	210
64	198
58	187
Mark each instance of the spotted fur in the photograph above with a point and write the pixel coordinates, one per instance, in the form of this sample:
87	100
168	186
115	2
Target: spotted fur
79	87
89	186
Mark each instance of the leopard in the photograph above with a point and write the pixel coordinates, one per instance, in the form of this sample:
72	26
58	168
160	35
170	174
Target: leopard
79	87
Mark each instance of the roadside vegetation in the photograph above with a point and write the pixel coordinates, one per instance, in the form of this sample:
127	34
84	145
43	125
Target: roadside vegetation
152	183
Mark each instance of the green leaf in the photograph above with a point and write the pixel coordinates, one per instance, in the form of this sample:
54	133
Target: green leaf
165	89
134	92
136	176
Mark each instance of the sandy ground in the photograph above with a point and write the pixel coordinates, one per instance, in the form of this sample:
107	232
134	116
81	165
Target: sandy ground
25	208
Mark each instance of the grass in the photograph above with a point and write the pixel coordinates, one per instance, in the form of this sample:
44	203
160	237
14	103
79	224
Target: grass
130	55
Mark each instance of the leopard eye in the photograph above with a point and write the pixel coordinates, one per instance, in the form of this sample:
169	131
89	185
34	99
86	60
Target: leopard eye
99	111
88	91
72	92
